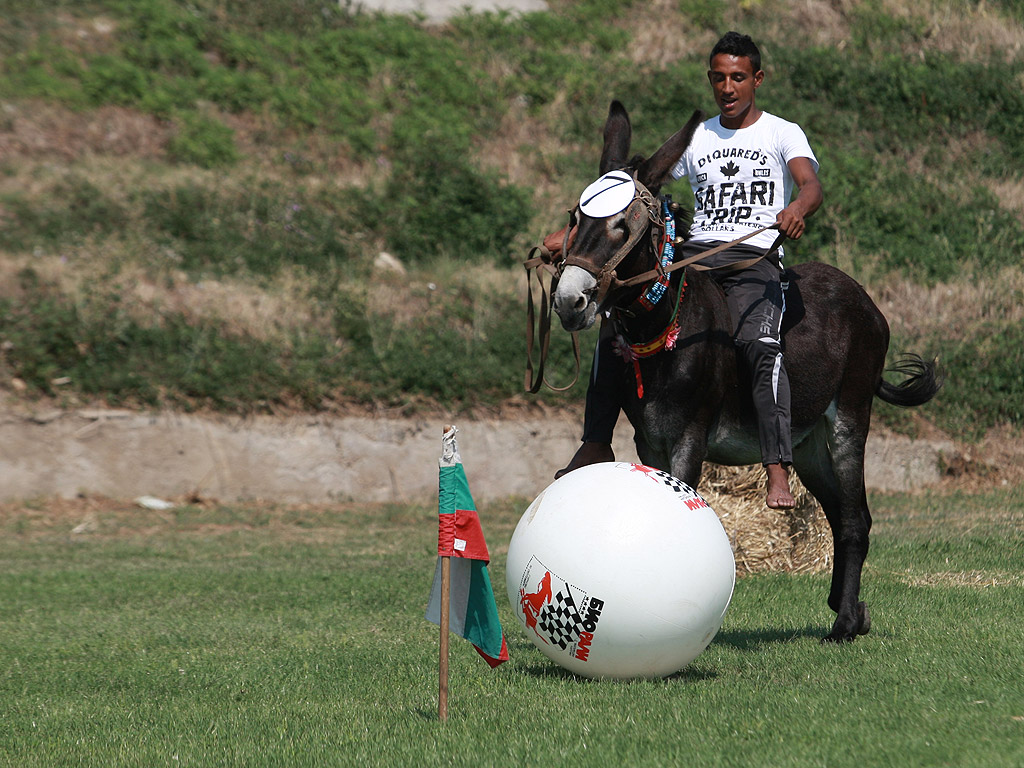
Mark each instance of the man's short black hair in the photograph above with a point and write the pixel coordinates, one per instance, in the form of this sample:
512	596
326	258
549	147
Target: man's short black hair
735	44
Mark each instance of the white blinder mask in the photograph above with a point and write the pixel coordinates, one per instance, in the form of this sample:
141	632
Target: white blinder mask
609	195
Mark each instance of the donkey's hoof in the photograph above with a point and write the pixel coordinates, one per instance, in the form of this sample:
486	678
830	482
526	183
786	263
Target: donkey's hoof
865	619
836	638
846	632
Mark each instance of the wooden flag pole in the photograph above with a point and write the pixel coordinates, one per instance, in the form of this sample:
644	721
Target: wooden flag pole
446	599
446	588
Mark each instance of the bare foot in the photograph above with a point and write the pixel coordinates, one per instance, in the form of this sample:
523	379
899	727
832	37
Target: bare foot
588	453
779	495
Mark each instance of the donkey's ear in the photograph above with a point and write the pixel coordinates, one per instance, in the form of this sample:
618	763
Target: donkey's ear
617	136
655	171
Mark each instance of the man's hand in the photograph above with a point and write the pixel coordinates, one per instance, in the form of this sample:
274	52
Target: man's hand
808	199
553	242
791	222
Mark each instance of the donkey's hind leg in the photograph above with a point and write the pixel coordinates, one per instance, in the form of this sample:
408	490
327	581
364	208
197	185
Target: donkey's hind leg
830	463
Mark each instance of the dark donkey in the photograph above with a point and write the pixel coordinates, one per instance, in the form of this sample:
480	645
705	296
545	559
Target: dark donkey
696	405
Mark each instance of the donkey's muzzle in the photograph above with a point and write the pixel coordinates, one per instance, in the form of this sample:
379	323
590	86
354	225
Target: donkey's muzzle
574	299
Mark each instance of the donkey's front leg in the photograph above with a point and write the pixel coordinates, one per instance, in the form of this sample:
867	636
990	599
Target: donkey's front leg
683	460
688	456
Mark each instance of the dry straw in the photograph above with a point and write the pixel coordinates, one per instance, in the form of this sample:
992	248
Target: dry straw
763	539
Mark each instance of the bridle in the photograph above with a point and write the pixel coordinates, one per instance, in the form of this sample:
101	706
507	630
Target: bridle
643	215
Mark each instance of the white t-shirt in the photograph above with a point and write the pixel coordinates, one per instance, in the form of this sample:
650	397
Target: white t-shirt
740	178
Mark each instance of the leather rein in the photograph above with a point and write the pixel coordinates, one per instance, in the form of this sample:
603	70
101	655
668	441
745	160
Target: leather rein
643	216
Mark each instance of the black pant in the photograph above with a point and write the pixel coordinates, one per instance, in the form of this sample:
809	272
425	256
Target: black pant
757	302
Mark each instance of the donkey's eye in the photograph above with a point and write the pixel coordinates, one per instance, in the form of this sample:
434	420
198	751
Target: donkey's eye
618	231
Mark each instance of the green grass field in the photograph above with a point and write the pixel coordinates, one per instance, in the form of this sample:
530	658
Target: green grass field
295	636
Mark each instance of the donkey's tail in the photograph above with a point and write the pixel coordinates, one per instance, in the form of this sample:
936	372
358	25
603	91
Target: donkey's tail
921	384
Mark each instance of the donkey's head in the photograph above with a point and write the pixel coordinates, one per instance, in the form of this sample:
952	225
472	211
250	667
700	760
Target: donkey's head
614	215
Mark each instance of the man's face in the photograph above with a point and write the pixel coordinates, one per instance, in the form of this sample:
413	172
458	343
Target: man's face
733	82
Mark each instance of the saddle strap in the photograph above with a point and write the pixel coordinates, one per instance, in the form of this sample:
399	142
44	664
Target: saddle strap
539	328
693	260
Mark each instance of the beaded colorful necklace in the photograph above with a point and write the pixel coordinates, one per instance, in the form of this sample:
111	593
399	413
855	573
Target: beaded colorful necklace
657	289
666	340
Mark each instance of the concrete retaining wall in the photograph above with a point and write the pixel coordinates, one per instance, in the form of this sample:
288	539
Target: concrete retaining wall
124	454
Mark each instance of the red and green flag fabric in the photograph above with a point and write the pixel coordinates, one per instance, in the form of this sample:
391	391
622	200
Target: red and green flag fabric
473	613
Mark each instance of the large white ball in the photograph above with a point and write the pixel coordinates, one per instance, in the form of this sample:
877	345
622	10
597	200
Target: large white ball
619	570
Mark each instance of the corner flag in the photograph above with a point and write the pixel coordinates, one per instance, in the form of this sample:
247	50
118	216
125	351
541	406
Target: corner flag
473	613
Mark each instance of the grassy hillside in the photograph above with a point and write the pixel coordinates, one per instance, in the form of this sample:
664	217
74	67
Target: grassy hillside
193	195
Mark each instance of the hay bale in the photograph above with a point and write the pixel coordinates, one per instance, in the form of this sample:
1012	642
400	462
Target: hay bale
763	539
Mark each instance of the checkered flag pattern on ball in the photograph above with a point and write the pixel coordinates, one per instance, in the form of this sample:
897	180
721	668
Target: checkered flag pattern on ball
560	620
672	482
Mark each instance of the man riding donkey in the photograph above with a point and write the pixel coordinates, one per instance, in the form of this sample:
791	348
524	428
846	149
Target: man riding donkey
742	165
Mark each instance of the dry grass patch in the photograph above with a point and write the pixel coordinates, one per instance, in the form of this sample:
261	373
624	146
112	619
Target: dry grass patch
976	579
524	150
96	34
806	23
43	130
957	152
518	147
661	35
967	31
314	159
76	272
429	291
117	146
952	308
274	312
1010	193
763	539
39	180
